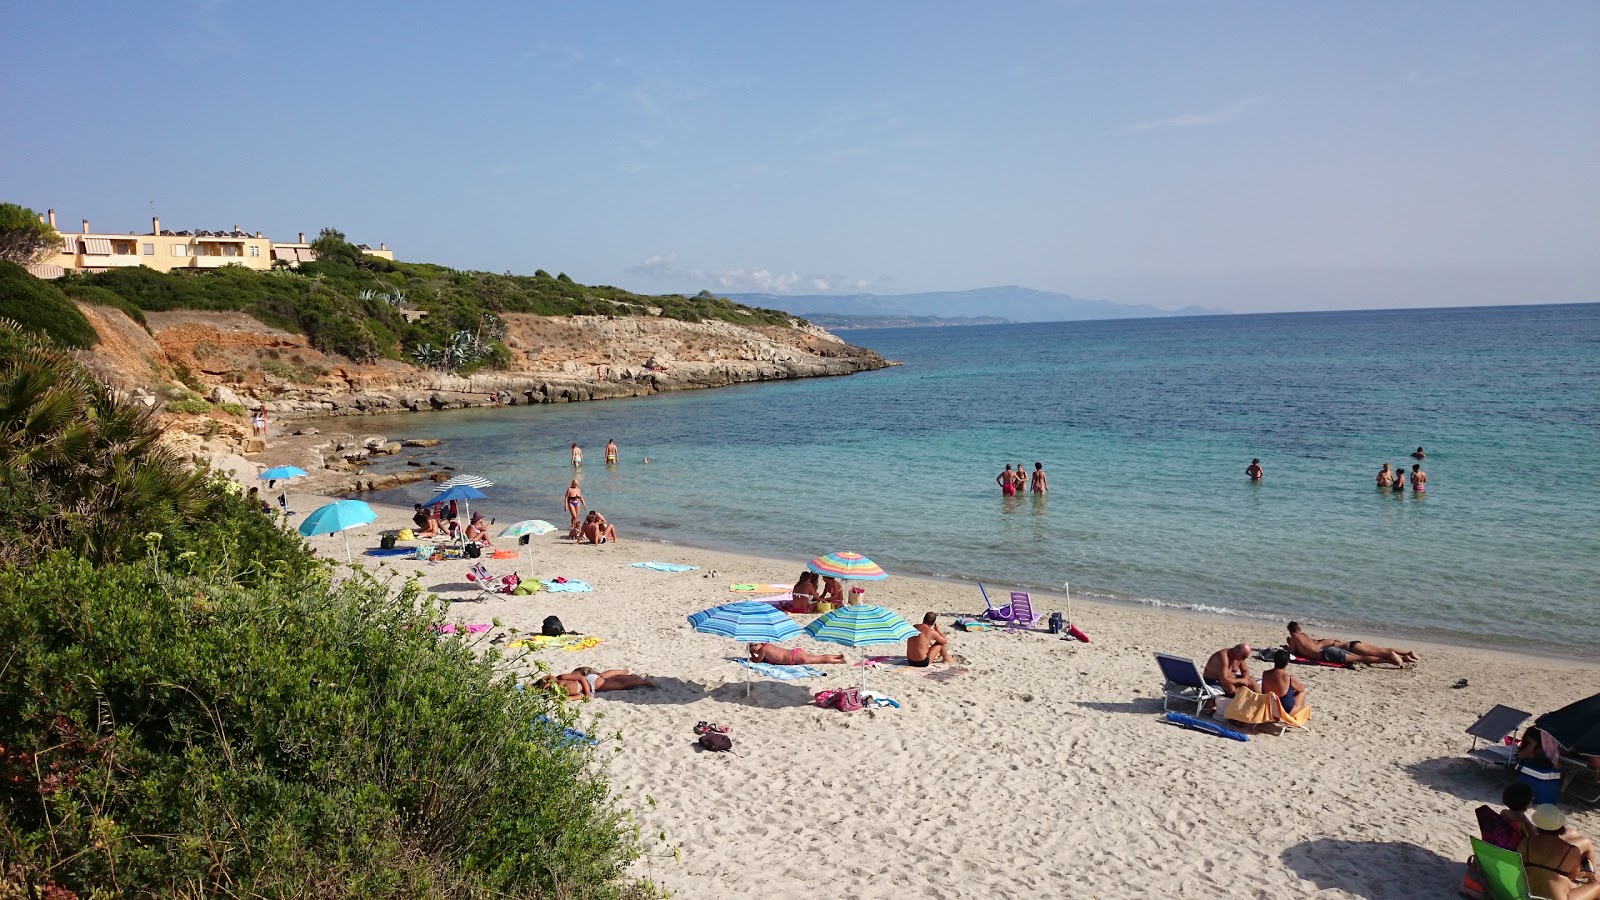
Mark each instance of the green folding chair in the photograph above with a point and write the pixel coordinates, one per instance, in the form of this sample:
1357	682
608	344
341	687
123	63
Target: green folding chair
1503	873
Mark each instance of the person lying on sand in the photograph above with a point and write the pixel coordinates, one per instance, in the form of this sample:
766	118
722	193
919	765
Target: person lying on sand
783	656
1229	669
1559	860
928	645
586	682
1277	680
1328	650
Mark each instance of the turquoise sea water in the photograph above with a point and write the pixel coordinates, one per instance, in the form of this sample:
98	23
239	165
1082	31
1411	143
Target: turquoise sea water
1145	428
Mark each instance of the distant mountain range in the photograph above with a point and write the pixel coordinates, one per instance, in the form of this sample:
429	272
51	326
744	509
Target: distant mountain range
1018	304
838	322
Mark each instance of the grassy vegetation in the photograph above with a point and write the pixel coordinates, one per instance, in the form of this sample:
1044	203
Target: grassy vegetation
350	303
40	307
191	707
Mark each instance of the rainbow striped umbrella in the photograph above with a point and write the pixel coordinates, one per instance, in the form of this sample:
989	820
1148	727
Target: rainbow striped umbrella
847	565
860	626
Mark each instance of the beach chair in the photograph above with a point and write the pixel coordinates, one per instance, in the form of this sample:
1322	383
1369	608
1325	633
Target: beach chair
488	584
1022	617
1184	684
1503	873
990	611
1493	727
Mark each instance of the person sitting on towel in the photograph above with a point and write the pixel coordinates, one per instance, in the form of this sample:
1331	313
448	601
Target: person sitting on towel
1229	669
784	656
1277	680
1559	860
586	682
928	645
832	591
1327	650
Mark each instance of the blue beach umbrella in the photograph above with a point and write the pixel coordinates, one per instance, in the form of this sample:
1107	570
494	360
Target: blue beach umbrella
462	492
860	626
338	516
747	621
283	472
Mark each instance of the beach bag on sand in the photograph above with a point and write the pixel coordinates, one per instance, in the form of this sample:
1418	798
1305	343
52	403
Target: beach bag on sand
472	550
1057	623
849	700
717	743
824	699
386	542
553	628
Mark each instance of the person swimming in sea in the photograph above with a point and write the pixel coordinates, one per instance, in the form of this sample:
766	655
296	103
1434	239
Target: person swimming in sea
1419	454
1254	470
1385	476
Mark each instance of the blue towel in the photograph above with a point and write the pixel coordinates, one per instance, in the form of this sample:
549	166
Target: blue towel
568	735
782	673
392	551
664	567
570	587
1209	727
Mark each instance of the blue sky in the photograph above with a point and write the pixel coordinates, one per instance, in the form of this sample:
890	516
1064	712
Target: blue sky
1251	156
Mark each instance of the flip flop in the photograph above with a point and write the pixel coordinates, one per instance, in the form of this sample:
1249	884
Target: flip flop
1460	684
701	728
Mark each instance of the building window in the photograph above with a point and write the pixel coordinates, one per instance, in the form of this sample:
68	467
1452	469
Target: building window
180	250
149	249
231	250
121	248
255	249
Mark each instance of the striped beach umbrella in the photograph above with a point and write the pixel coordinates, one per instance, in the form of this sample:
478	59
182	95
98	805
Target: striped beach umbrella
471	481
847	565
860	626
749	622
462	492
527	526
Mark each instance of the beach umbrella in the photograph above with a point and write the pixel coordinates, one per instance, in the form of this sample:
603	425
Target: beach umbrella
462	492
527	526
339	516
1575	726
283	472
748	622
848	566
860	626
472	481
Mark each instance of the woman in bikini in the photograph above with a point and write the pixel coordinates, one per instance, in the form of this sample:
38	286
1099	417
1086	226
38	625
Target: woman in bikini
577	454
1040	482
1419	479
1399	482
575	503
1560	862
586	682
784	656
1020	478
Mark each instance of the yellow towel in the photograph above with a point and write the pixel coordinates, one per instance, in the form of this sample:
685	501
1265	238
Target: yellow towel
1251	707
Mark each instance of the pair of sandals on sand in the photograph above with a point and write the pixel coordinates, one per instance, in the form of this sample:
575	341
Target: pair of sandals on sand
710	728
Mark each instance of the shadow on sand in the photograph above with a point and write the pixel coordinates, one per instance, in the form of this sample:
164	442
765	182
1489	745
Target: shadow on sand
1459	777
1144	706
762	694
1377	870
668	691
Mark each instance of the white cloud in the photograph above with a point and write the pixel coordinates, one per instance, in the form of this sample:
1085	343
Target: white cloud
1195	119
664	267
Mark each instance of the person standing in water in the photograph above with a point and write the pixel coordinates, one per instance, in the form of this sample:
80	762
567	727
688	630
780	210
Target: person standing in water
1419	479
1399	482
1020	476
577	454
611	451
1007	482
1040	483
1254	470
1419	454
1385	476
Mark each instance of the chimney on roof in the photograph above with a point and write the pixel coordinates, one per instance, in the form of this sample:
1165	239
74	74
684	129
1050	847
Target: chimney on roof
85	226
155	224
258	235
52	215
237	228
383	246
302	237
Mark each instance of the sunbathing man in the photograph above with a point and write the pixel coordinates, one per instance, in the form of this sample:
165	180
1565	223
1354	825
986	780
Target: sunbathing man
928	645
1277	680
1307	647
596	530
783	656
1229	669
586	682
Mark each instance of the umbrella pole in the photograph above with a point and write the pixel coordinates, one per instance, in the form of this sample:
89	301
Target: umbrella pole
349	560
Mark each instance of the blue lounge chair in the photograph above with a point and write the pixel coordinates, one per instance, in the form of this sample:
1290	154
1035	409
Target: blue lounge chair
1184	684
1493	727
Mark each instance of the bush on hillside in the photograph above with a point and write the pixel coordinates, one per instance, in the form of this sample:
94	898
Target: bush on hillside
86	293
39	306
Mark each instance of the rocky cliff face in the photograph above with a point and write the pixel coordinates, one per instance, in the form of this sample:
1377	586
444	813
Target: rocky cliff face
232	358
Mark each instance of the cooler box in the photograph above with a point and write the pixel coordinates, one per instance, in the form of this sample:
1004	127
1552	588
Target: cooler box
1546	783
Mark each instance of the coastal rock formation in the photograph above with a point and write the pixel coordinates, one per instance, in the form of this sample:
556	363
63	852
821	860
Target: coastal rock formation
236	361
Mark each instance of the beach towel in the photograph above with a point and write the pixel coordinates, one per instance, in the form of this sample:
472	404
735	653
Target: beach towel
664	567
475	628
392	551
1320	662
567	735
875	660
568	642
782	673
757	588
566	587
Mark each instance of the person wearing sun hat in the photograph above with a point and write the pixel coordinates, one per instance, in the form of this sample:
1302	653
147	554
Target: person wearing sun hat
1561	863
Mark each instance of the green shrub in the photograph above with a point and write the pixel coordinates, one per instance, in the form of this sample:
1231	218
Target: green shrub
41	307
234	409
99	296
188	407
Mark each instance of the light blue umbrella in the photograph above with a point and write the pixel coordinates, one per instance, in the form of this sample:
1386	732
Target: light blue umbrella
747	621
339	516
860	626
284	472
462	492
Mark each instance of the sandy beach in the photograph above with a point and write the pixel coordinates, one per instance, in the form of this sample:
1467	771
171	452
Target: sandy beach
1045	770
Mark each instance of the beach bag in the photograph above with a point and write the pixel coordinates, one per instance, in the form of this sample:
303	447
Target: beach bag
552	627
717	743
386	542
1057	623
824	699
849	700
407	534
472	550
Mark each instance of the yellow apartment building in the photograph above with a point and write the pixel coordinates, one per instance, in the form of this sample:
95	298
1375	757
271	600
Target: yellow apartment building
92	251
